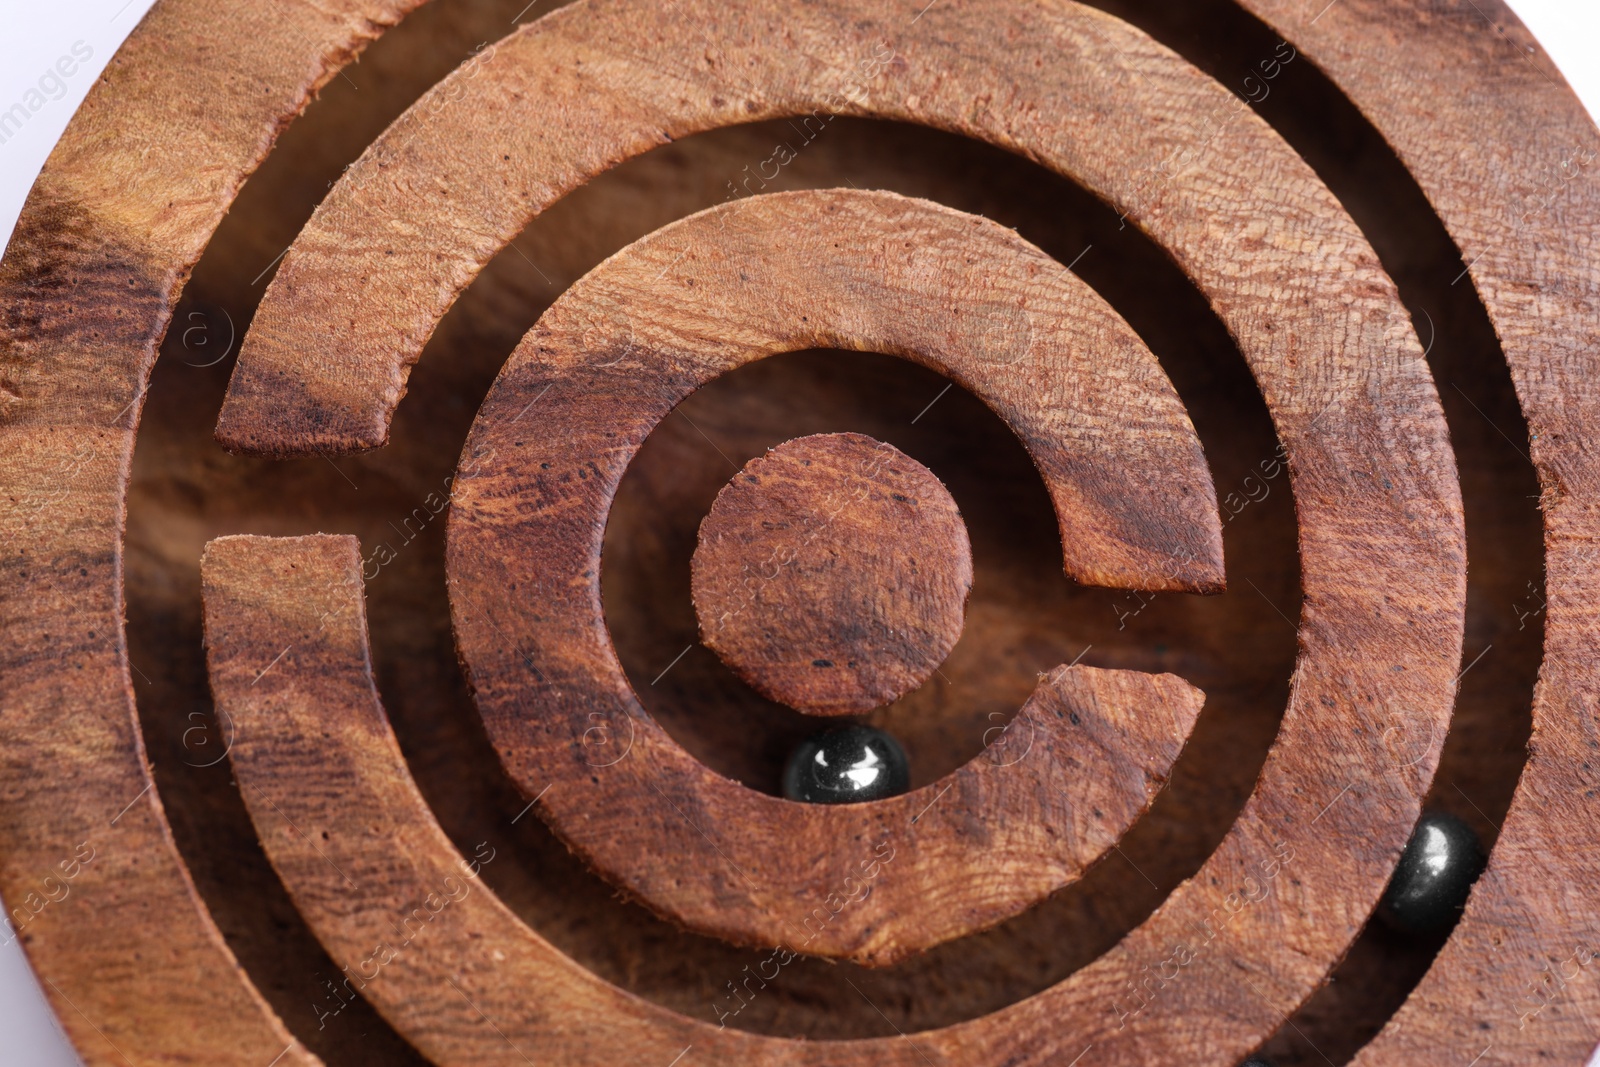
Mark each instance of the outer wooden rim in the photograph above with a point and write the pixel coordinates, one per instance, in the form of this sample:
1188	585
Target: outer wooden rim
1530	241
87	285
1542	120
1319	358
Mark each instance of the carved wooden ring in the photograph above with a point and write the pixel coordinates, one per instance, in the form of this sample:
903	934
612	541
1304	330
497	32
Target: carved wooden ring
612	356
832	574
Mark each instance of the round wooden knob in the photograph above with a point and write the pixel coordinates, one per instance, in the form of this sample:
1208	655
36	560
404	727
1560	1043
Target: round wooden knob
832	574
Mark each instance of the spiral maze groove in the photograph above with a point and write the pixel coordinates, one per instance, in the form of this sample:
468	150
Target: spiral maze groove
1154	804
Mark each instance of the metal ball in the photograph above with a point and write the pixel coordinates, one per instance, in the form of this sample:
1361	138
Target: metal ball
1435	874
847	765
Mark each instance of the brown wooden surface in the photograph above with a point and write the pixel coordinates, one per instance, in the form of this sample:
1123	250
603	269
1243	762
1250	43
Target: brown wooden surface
1507	967
832	574
1235	646
1099	417
1510	985
373	872
130	958
402	912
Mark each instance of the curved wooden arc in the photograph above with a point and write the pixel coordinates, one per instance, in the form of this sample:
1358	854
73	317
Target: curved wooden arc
607	361
1508	987
1301	291
127	953
1534	289
382	886
880	272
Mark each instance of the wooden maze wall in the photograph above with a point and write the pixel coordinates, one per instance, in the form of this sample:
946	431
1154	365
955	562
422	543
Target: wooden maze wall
367	370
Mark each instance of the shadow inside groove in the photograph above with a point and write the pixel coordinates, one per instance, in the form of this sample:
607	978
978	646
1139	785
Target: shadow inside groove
1237	647
1486	748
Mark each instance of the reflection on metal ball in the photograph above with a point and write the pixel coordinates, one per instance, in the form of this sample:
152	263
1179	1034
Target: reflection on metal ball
846	766
1436	871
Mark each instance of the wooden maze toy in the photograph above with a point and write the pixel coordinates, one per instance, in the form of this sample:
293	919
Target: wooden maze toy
459	463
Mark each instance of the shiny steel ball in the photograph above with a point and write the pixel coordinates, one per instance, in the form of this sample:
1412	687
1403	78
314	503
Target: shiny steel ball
847	765
1436	871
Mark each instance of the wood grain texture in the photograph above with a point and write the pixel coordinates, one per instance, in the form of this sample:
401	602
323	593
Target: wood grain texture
1525	211
832	574
1030	616
397	906
1303	296
130	959
868	271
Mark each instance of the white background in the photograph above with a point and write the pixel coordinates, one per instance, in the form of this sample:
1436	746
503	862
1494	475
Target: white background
38	35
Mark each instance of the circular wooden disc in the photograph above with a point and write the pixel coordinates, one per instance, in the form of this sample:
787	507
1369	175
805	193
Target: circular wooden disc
1185	161
832	574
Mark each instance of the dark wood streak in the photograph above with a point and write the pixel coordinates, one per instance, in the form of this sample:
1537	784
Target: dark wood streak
130	958
702	297
1371	557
